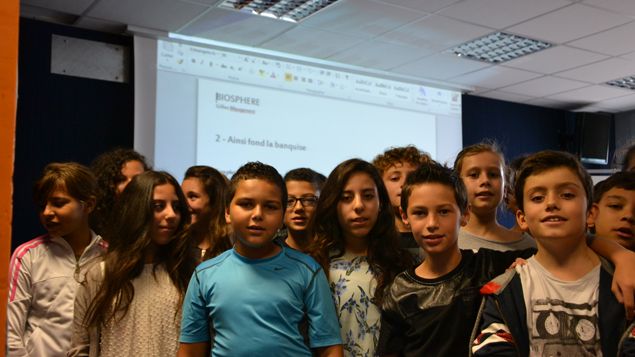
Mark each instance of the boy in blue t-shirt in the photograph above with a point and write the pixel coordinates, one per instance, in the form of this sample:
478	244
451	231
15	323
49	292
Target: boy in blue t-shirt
252	299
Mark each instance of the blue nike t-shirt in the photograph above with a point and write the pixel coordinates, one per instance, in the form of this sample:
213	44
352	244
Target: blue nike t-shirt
255	306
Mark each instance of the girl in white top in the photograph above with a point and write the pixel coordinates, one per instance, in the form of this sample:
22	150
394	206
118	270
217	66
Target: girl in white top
482	167
130	304
356	241
46	271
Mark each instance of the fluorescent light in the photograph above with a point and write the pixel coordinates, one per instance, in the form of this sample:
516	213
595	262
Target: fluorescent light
499	47
626	82
286	10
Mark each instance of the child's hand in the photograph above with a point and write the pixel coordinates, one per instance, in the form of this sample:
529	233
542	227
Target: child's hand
623	285
517	262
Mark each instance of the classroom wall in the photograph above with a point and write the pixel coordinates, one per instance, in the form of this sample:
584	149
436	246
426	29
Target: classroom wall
61	118
517	128
9	14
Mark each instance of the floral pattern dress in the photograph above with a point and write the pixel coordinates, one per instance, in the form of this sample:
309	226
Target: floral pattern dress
353	286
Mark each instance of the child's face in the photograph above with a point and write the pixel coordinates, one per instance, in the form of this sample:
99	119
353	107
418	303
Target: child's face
129	170
434	217
167	215
614	216
197	198
358	207
482	175
555	205
298	215
255	213
62	214
394	178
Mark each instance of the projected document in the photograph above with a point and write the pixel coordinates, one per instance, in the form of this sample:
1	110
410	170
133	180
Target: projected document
223	108
238	123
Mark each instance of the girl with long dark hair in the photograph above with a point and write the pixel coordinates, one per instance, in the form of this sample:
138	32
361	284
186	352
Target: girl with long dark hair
130	304
355	240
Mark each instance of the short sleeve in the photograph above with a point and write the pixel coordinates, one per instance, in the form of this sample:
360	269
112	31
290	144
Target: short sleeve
324	327
498	261
194	323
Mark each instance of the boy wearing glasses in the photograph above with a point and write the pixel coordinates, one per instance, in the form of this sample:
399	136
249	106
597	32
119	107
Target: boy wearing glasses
303	187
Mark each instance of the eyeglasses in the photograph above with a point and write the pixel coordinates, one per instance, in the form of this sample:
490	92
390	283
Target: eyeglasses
308	201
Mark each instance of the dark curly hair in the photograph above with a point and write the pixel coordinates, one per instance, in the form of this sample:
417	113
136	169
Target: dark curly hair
107	168
260	171
395	155
384	256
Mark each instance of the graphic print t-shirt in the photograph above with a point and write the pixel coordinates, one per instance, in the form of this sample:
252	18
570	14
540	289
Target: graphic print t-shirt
562	316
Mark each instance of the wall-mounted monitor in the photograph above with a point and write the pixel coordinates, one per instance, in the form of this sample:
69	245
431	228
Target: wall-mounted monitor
594	133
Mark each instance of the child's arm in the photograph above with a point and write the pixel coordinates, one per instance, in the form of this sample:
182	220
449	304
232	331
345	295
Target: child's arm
200	349
494	337
330	351
81	338
623	278
19	303
324	326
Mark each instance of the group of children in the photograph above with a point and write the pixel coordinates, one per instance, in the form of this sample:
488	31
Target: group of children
400	257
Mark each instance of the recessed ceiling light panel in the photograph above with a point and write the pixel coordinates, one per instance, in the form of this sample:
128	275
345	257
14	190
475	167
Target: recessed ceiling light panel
287	10
499	47
626	82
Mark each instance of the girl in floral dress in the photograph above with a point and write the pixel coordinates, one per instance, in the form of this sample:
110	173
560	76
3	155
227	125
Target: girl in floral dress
355	240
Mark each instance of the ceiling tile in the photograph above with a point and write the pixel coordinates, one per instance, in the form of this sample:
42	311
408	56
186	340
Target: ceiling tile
616	41
591	94
544	86
440	66
435	32
620	104
373	54
555	59
426	6
236	27
549	103
203	2
48	15
569	23
311	42
498	14
165	15
362	18
75	7
509	97
629	56
100	25
626	7
494	77
603	71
